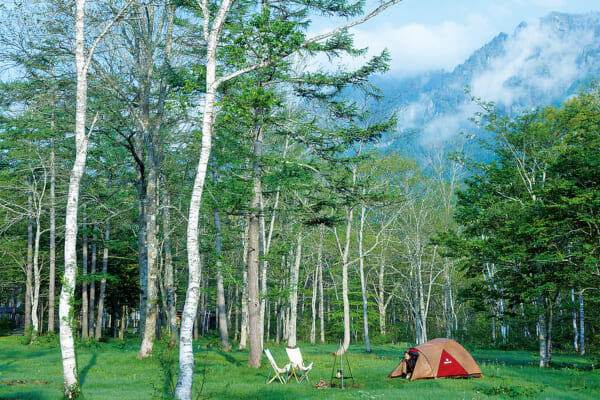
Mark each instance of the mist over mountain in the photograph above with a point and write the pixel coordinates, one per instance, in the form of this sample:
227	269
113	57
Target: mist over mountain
539	64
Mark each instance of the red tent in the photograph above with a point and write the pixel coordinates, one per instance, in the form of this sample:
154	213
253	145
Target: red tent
439	358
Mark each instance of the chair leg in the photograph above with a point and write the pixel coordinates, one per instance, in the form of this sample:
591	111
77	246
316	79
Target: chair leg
293	373
277	376
303	377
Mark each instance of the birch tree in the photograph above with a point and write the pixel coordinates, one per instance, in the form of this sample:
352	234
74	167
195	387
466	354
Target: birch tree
82	63
212	35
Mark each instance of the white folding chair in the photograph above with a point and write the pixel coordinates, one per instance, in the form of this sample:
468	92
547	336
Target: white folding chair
297	364
278	371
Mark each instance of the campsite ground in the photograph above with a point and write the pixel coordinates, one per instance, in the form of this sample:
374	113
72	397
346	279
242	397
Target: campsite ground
111	371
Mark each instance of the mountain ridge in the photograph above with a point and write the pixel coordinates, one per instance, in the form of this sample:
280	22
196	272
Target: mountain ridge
540	63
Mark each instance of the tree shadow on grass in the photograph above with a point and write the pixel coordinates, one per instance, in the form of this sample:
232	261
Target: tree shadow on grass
86	369
23	396
229	358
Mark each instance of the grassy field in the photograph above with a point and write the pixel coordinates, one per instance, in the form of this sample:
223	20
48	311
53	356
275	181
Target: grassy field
111	371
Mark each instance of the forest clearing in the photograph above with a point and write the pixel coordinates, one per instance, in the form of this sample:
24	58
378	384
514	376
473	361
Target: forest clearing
110	371
185	184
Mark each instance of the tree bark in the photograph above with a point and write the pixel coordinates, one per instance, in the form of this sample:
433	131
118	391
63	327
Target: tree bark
363	282
70	378
92	305
294	273
37	278
142	248
169	283
65	315
345	256
52	277
152	263
244	316
313	302
320	277
448	299
543	336
254	255
100	317
123	322
575	326
255	354
581	326
183	389
29	266
221	307
84	283
151	137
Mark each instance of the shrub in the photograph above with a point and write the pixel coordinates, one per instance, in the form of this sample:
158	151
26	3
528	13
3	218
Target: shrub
27	335
6	326
510	389
166	353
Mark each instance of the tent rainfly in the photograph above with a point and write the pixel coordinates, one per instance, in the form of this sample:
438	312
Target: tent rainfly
438	358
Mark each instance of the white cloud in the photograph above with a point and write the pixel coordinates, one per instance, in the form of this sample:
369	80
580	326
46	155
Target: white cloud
537	61
419	47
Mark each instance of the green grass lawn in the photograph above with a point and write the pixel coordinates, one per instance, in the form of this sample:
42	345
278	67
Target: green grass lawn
111	371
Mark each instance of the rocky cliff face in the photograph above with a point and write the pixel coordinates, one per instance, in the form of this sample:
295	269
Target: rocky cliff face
539	64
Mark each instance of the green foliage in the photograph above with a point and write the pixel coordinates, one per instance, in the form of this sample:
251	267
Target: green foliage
27	336
90	344
166	354
510	389
49	339
6	326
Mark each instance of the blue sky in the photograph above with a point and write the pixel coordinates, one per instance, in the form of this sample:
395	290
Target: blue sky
440	34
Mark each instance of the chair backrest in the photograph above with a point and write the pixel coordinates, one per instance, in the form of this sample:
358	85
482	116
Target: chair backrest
271	359
295	356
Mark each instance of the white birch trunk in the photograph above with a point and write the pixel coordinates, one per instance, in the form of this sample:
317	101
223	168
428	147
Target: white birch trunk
422	321
244	312
503	326
84	284
29	266
581	326
183	389
345	255
70	378
294	272
52	277
244	316
543	335
380	297
320	277
448	301
575	326
363	283
37	272
313	302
